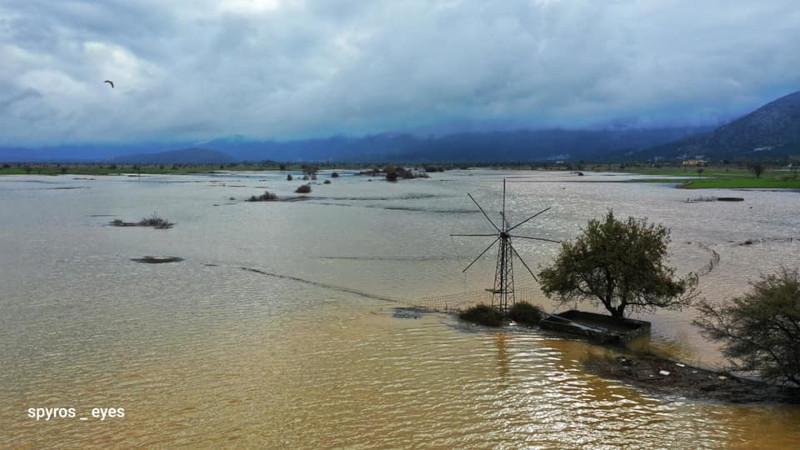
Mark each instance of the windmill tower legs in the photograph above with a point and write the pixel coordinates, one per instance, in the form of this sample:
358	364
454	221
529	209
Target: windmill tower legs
503	292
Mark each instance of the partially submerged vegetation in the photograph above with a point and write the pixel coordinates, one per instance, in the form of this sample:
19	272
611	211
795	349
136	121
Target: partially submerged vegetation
157	259
153	222
482	315
522	312
620	265
303	189
394	173
267	196
760	331
671	378
526	314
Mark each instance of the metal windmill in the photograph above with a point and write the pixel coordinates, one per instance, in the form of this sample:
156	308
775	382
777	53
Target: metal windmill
503	291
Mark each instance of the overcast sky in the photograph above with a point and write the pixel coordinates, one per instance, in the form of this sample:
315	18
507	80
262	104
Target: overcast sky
200	69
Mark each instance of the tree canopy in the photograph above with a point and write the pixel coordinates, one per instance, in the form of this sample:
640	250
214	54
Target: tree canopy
760	331
619	264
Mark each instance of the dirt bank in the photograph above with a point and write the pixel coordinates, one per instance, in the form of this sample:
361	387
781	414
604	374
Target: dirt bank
664	377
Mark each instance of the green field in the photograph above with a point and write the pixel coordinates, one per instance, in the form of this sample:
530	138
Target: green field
725	177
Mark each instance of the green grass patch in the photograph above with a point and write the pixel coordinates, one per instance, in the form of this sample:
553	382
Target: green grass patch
722	177
741	183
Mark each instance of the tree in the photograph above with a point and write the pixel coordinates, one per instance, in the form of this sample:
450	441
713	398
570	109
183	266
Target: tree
391	173
759	331
619	265
756	168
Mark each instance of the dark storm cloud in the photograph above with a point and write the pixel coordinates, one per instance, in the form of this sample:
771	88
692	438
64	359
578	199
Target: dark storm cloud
274	68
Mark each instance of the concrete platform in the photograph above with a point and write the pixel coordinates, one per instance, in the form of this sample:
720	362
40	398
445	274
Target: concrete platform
598	328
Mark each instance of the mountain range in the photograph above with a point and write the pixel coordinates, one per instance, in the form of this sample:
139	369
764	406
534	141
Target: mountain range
772	131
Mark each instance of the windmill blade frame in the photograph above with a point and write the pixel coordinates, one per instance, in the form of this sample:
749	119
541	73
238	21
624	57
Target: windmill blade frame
529	218
534	238
482	253
484	212
524	263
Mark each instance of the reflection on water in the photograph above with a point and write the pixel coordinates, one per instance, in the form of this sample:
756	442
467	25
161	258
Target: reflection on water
302	350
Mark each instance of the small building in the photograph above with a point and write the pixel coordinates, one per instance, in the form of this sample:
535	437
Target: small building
694	162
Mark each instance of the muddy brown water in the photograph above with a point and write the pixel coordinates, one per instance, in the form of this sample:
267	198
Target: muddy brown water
302	349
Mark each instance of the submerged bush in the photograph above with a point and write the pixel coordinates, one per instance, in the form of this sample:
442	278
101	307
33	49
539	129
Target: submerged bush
482	315
304	189
759	330
526	314
267	196
289	177
155	222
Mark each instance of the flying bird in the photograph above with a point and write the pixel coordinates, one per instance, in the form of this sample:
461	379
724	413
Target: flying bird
109	82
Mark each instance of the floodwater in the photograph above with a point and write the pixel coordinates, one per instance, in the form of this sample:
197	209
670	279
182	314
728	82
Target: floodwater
277	329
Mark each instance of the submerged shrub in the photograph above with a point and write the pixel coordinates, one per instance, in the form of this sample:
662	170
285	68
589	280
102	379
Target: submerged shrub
526	314
759	330
289	177
267	196
304	189
155	222
482	315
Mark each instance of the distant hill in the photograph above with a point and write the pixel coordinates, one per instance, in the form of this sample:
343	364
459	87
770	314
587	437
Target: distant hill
467	147
771	131
183	156
505	146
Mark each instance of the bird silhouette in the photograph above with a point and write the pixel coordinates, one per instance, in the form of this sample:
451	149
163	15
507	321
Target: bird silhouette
110	82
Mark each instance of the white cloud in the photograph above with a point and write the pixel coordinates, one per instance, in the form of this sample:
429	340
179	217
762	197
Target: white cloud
289	68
